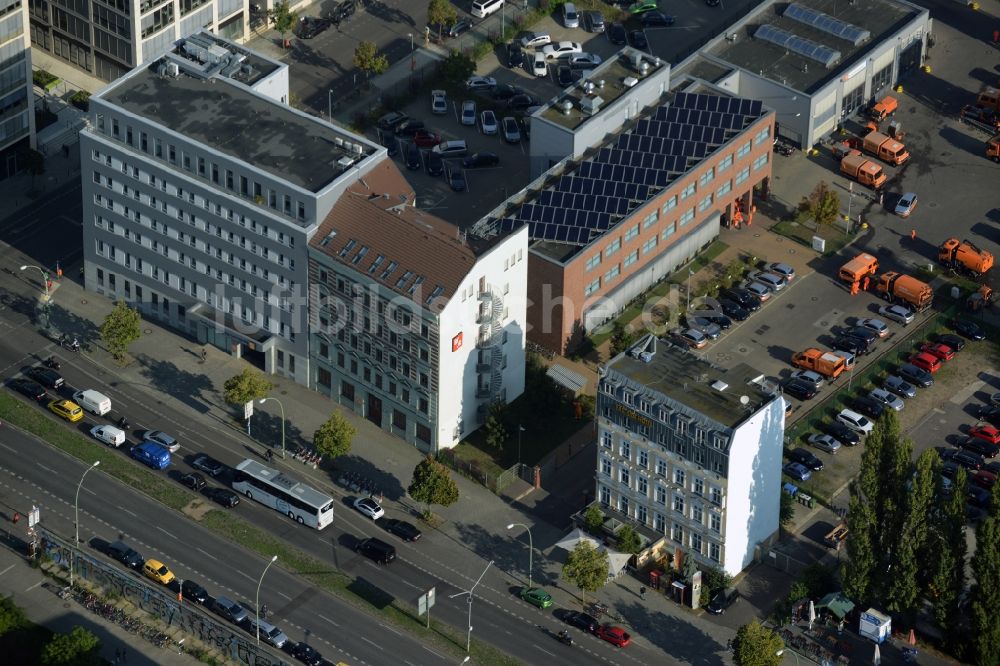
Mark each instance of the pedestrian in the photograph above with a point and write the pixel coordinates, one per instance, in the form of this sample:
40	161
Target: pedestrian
996	37
642	593
913	234
865	285
204	354
17	517
263	611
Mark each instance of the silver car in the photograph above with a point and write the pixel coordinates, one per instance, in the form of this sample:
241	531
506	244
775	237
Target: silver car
898	313
759	289
824	443
784	270
876	326
900	386
772	280
888	399
810	376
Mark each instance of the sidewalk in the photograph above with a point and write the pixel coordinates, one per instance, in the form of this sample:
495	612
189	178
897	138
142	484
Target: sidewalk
28	589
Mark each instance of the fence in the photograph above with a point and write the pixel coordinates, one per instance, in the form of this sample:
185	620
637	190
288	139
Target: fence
494	479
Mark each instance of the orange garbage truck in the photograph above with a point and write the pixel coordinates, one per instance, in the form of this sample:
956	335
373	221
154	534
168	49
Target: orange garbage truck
885	148
884	108
857	269
965	257
993	148
856	166
989	98
897	287
827	364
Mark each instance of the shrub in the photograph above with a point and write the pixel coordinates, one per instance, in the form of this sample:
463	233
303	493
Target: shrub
81	100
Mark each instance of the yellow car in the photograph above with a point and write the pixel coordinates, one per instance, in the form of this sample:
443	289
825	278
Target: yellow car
67	409
158	571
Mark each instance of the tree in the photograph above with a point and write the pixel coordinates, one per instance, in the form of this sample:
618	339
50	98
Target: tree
714	580
496	428
11	615
457	67
822	205
688	566
756	645
369	60
944	553
903	585
593	519
333	438
587	568
621	338
441	13
787	510
283	18
985	620
246	386
121	328
628	540
432	484
77	648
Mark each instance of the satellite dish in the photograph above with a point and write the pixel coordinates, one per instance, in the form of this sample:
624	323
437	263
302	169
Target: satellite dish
744	400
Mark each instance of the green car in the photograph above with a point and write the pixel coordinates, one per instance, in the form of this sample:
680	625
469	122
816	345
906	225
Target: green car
537	596
643	6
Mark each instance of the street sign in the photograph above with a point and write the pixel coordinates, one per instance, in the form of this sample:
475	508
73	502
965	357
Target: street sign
34	516
248	409
424	604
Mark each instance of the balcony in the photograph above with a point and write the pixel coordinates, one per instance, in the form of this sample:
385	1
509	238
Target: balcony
484	316
485	294
483	366
482	391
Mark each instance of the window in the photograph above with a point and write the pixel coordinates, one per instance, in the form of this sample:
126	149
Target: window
661	495
624	475
642	459
623	505
606	440
687	217
640	514
613	247
715	494
669	231
632	232
704	204
677	533
670	204
631	259
593	262
612	274
659	522
724	164
649	245
762	136
706	178
679	477
697	514
743	151
760	161
661	467
687	191
592	287
625	450
713	551
696	542
642	485
605	467
650	220
699	487
715	522
678	504
725	189
605	494
742	175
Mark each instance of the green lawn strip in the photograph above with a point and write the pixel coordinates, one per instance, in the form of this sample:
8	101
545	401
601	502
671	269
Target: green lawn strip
833	233
114	463
357	592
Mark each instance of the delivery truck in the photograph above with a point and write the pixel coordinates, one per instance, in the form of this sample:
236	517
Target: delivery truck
93	402
827	364
897	287
862	266
965	257
885	148
857	167
883	108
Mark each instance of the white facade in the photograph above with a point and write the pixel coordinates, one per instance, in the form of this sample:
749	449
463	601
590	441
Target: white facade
17	122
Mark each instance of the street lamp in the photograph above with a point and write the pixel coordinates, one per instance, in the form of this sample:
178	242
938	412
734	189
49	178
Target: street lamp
531	548
784	650
76	506
520	431
45	278
468	636
329	105
257	600
282	408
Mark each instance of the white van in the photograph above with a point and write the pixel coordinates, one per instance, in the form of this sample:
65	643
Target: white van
92	401
483	8
108	434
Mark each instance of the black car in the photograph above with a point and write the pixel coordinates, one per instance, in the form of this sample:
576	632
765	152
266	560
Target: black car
989	414
841	433
743	297
377	550
504	91
389	140
412	157
194	481
714	316
307	654
956	342
800	389
404	530
853	345
47	377
915	375
392	120
310	26
515	56
522	102
192	591
977	446
733	310
122	552
456	179
480	160
435	164
343	11
29	389
583	621
565	77
862	333
638	39
617	34
870	407
208	464
968	329
459	28
223	496
967	459
978	497
409	127
656	19
723	600
807	458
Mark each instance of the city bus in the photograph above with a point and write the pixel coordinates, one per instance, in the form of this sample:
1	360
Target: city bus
303	504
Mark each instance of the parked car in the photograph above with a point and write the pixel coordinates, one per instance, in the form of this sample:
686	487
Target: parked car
125	554
456	179
307	654
533	40
968	459
29	389
439	102
939	349
876	326
906	204
617	34
900	386
956	342
978	497
638	39
208	464
797	471
693	338
66	409
412	157
584	60
744	297
772	280
848	344
887	399
561	50
714	316
570	17
843	434
593	21
536	596
989	414
193	591
824	442
539	66
46	377
424	138
434	163
583	621
343	11
410	127
868	406
404	530
926	361
817	380
223	496
987	433
468	112
855	421
390	121
897	313
710	329
800	389
168	442
510	129
918	376
230	610
458	28
733	309
862	333
760	290
158	571
505	91
656	20
267	631
520	103
369	507
723	600
807	458
193	480
480	160
488	123
614	635
643	6
969	329
515	56
779	268
480	83
565	76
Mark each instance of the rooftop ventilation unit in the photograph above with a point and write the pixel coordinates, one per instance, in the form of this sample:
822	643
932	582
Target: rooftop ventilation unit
359	149
345	162
170	69
827	23
591	105
338	142
822	54
566	106
719	385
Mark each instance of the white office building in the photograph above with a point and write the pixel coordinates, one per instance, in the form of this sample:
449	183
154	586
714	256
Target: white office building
691	452
17	110
201	191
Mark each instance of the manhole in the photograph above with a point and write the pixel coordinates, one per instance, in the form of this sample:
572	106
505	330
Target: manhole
779	239
791	250
742	349
83	301
284	392
824	323
790	306
756	235
814	298
147	331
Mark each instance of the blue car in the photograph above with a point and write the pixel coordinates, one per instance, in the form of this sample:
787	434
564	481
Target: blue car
797	471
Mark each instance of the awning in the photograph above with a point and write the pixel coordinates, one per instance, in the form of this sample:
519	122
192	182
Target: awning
838	605
566	378
616	560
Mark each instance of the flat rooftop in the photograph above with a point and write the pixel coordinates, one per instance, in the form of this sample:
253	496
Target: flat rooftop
687	379
614	73
879	17
225	116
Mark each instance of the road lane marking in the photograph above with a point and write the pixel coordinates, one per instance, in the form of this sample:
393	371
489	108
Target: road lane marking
47	469
541	649
167	533
8	448
7	569
384	626
371	642
326	619
123	509
285	595
38	584
245	576
207	554
436	654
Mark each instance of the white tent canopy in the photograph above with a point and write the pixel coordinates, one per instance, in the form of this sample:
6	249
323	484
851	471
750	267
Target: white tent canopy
616	560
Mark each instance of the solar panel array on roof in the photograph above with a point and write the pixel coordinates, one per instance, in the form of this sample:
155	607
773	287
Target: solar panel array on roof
810	49
827	23
631	169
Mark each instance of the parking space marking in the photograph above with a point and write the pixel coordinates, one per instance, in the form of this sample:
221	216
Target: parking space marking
967	392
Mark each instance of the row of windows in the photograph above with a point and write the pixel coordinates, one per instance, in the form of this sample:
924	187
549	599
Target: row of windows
662	496
643	460
398	389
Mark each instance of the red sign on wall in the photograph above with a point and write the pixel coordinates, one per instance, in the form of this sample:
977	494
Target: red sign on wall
456	342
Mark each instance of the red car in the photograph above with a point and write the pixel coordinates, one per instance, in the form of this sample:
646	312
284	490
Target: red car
926	361
986	433
942	351
984	479
426	139
614	635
